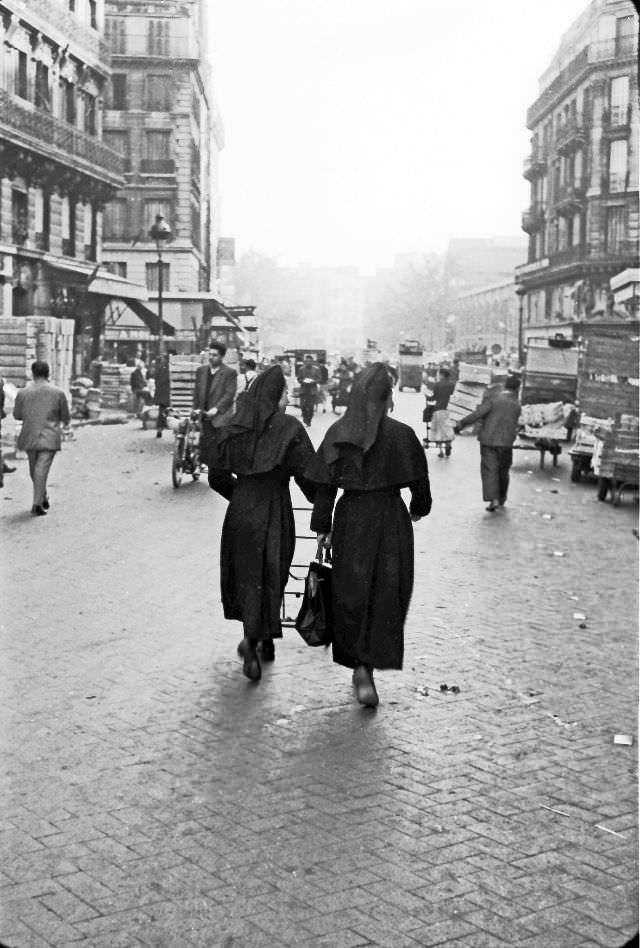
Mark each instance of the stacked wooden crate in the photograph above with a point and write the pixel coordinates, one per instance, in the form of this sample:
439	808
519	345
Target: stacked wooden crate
473	381
115	385
23	339
182	375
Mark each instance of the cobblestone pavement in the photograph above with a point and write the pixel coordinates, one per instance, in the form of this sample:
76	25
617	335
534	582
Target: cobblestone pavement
154	797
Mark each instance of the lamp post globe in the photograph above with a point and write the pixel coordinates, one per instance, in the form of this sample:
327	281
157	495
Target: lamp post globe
160	232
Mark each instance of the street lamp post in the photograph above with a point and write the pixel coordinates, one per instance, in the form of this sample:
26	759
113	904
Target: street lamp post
160	232
520	292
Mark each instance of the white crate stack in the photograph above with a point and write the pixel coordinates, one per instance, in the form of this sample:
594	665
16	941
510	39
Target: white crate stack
23	339
182	375
473	381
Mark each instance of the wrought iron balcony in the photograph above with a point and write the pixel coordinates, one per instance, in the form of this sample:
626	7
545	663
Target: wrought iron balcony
533	218
55	139
535	164
568	255
570	198
616	118
571	135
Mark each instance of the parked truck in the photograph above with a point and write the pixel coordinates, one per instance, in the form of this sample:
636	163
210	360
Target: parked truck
410	367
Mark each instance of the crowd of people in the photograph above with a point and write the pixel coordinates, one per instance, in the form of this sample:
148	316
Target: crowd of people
252	449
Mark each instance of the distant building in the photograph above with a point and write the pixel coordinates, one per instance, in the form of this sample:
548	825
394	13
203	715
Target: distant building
162	119
488	318
582	219
472	262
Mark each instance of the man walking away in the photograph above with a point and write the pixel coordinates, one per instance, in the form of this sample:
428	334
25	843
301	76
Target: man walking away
214	394
499	416
308	379
43	410
162	394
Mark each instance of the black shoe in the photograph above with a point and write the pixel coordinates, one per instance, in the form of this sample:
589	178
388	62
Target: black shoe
38	511
267	650
251	665
365	689
493	506
45	503
158	434
6	469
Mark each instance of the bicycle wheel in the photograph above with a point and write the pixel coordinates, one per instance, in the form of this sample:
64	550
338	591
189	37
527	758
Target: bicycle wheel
176	464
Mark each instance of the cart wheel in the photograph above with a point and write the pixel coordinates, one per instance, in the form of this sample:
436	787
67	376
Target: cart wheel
603	487
176	468
576	470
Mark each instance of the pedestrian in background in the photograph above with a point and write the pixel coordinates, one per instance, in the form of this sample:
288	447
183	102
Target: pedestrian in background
4	467
43	410
499	415
247	374
214	394
162	393
441	427
257	453
371	457
138	383
308	380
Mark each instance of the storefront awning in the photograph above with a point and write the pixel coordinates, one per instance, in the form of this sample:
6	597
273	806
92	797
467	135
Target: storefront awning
149	318
118	290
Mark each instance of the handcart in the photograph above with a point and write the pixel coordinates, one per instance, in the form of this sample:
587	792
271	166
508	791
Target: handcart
616	458
294	591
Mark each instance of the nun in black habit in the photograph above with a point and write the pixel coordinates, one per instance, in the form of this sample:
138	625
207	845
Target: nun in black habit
370	457
257	453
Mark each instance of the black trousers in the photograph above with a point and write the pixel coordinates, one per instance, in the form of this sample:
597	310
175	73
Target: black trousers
495	464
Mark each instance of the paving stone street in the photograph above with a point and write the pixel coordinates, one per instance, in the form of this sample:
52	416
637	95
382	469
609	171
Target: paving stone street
152	796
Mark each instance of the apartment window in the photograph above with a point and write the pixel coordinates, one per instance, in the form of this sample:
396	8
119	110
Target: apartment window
195	161
114	220
93	15
158	93
72	5
158	145
90	232
43	91
119	141
115	34
195	106
69	102
151	211
19	217
22	76
625	33
619	100
158	38
90	114
614	229
153	281
576	230
618	165
68	227
119	92
196	226
42	218
117	267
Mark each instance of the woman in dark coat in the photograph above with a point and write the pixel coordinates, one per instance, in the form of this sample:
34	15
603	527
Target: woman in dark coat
370	457
257	453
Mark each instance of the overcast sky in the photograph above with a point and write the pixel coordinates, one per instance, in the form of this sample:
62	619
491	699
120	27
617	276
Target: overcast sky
358	129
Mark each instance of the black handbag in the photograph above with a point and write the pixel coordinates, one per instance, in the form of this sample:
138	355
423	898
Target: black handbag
315	619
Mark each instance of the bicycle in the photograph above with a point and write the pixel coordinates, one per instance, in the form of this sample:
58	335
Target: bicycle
186	449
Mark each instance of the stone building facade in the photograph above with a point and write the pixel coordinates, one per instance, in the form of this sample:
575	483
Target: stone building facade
582	220
487	317
162	119
56	171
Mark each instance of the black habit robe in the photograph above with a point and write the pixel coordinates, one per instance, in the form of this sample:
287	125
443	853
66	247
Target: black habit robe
258	534
372	543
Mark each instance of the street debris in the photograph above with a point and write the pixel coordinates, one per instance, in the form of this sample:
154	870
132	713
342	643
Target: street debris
454	689
558	553
606	829
423	691
625	739
547	517
579	615
560	722
553	809
583	625
554	490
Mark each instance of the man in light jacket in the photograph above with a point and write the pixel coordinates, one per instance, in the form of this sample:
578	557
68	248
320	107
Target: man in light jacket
499	415
43	410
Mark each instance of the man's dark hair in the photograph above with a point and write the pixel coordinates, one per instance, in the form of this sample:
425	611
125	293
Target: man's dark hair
250	364
39	369
445	373
219	347
512	383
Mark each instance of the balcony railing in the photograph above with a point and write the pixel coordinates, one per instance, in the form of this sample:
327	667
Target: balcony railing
57	138
568	255
533	218
570	197
571	135
79	33
157	166
621	250
617	117
535	164
613	49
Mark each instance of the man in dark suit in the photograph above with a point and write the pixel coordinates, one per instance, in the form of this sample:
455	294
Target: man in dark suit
43	410
499	416
214	394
